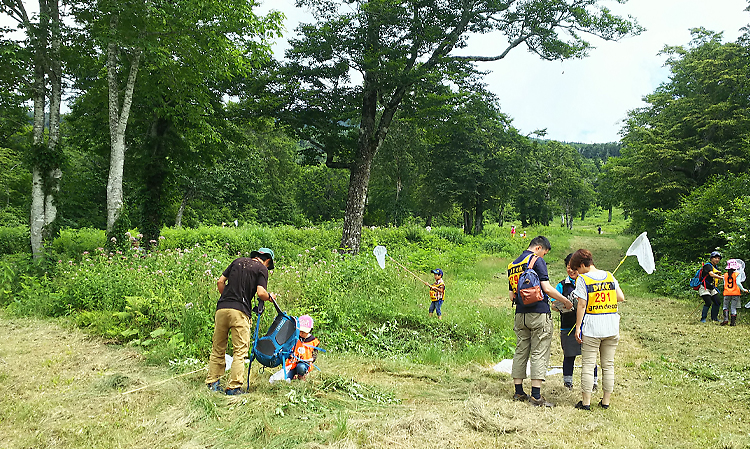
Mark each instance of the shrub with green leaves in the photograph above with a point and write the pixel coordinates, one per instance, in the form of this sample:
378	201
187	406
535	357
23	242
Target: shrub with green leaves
164	300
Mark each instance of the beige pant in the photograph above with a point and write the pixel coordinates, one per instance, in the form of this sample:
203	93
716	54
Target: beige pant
533	339
225	321
606	348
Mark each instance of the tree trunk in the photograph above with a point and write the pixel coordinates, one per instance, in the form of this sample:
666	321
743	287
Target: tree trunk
501	216
37	212
39	42
468	222
355	205
54	174
609	219
478	219
185	198
153	183
118	121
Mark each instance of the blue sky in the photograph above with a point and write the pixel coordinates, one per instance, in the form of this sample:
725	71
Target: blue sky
586	100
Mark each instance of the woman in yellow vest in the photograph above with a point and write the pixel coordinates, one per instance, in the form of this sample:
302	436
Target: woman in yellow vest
597	325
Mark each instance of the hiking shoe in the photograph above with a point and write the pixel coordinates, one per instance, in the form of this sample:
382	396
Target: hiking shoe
703	320
605	407
521	397
234	391
568	385
580	406
215	387
541	402
723	323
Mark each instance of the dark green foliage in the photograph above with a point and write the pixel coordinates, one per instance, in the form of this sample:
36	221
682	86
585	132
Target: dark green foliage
707	219
14	240
672	278
695	126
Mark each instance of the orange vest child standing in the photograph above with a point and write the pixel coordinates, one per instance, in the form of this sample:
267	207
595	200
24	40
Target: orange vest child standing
732	290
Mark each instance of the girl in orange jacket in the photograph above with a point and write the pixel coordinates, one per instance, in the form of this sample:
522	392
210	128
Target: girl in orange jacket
305	351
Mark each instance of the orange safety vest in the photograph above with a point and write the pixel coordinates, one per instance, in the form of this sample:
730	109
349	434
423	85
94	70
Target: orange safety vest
303	352
730	285
437	295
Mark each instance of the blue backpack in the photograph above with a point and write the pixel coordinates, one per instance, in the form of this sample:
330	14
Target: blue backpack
529	287
277	345
696	281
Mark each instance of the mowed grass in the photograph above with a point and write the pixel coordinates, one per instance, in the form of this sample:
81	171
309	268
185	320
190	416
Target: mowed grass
679	384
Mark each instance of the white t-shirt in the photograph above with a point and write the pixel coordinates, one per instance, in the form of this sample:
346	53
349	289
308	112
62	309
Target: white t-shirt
595	325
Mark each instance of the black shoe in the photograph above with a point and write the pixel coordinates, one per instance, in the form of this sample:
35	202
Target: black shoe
605	407
234	391
523	397
580	406
568	385
215	387
541	402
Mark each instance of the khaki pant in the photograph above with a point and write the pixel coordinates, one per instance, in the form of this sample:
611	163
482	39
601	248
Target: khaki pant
225	321
606	348
533	339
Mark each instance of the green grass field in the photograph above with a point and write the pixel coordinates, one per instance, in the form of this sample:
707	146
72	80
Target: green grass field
679	384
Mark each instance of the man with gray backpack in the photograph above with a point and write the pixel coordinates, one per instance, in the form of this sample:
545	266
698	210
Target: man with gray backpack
530	290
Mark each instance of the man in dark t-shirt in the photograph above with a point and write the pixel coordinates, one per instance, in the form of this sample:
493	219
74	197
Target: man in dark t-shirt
533	323
243	279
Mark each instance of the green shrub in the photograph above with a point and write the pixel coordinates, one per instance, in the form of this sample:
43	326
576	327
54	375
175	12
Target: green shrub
164	300
672	278
72	243
14	240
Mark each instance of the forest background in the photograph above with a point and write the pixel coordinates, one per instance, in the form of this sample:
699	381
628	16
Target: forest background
180	117
187	144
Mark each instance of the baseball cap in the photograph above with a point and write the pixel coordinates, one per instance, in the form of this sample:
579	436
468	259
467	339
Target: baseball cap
437	271
715	254
265	251
305	323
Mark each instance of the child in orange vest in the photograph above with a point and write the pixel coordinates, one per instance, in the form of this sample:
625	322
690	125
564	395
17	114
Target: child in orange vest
305	351
732	290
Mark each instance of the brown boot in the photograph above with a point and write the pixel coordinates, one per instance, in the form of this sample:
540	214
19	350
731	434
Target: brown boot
734	320
726	318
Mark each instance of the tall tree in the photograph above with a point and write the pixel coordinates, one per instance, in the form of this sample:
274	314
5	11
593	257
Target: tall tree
394	45
695	126
190	51
45	37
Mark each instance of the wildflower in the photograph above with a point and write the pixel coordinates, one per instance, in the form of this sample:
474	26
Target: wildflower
335	251
307	250
113	240
59	261
197	245
85	253
140	236
161	237
153	242
313	248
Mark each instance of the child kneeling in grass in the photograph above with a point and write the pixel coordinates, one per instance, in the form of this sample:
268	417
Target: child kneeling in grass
305	351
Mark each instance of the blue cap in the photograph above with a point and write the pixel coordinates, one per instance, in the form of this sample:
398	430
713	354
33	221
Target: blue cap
264	251
437	271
